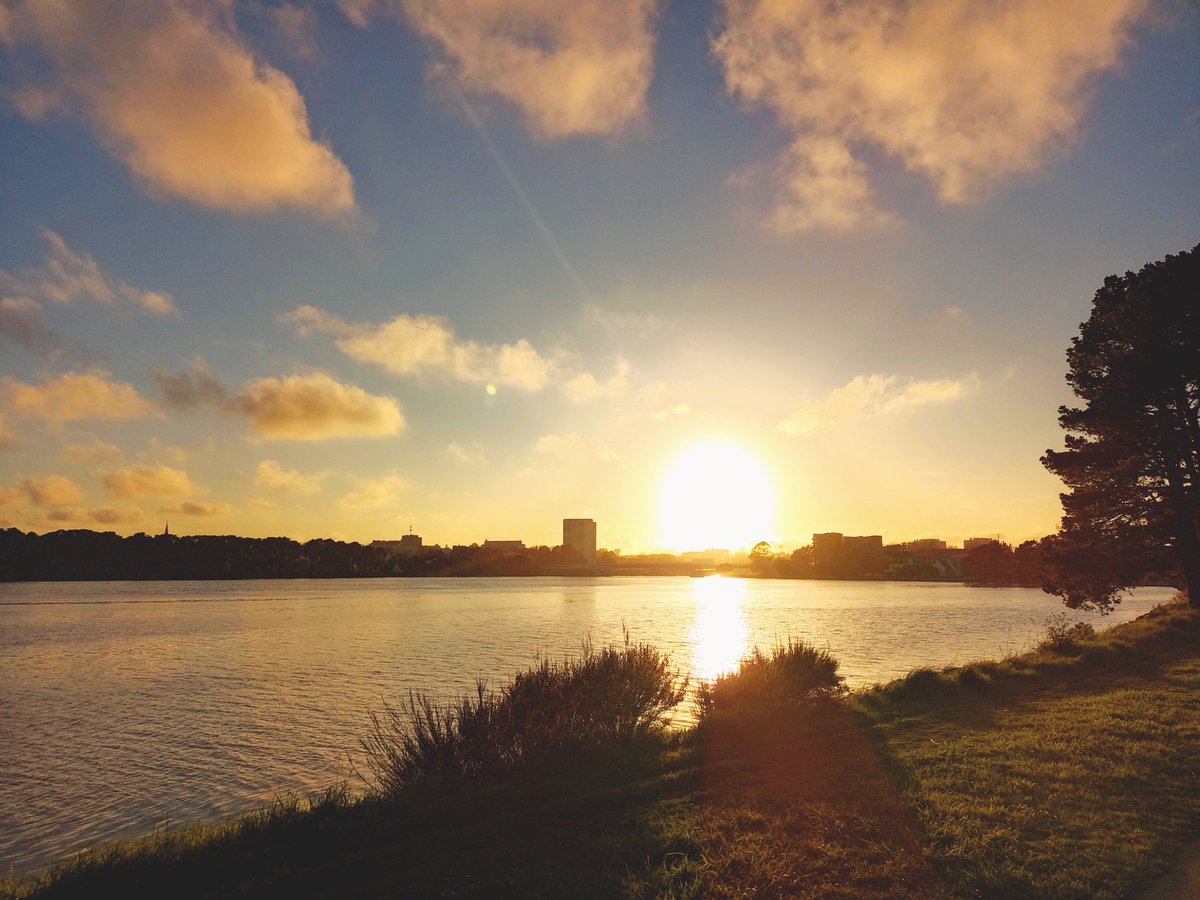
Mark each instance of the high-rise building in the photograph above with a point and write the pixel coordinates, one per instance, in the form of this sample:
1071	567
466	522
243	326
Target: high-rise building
580	535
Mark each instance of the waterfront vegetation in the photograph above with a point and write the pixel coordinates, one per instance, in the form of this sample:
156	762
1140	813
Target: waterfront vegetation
1066	771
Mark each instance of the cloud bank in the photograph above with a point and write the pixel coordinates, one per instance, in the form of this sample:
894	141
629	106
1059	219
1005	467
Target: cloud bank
964	93
173	92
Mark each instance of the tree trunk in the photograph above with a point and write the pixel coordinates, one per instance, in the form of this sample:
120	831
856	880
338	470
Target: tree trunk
1191	576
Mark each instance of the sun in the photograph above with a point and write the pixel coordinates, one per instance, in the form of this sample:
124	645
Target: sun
715	495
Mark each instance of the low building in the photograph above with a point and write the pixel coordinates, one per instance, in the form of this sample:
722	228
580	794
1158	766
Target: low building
925	545
972	543
504	546
408	545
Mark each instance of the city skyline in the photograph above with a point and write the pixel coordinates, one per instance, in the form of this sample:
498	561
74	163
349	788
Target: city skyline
329	270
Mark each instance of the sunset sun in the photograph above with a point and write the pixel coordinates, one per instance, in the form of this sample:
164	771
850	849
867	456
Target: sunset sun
715	494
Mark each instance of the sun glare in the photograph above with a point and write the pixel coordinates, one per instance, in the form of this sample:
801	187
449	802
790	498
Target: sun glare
715	495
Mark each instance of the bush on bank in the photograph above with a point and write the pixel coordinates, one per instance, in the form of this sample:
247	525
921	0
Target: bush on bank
552	709
795	673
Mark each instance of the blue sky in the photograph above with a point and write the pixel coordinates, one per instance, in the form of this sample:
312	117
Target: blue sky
343	268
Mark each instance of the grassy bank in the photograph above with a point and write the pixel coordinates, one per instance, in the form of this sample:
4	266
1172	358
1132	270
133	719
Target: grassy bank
1070	771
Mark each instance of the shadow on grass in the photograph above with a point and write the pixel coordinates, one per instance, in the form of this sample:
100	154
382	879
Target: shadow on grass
794	802
577	831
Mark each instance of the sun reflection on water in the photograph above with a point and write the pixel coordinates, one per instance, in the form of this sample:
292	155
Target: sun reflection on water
720	632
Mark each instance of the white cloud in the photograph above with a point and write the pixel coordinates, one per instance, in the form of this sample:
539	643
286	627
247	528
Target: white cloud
577	71
874	395
375	493
272	475
68	275
77	396
964	93
135	482
174	93
585	387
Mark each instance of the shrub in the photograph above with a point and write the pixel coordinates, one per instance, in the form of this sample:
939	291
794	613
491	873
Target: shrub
545	713
794	674
1063	637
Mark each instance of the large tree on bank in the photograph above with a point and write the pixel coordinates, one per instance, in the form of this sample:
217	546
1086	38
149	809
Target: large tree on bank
1132	457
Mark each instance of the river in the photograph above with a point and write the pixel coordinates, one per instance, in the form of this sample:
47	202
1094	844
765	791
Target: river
129	706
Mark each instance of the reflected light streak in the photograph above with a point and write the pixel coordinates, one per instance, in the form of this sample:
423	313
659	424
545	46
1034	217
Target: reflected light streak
720	632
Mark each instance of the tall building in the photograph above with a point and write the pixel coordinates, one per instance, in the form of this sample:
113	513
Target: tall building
580	535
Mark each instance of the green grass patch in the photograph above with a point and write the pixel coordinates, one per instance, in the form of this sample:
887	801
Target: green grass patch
1067	772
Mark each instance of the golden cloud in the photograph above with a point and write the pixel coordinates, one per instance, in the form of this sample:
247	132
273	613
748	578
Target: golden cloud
108	515
175	94
874	395
375	493
565	444
193	508
271	474
309	407
585	387
426	346
52	490
131	482
7	438
580	71
316	407
962	92
76	396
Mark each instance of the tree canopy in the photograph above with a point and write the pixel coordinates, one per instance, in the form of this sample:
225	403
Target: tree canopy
1132	452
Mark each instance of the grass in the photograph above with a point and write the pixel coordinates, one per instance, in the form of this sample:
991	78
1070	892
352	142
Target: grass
1069	771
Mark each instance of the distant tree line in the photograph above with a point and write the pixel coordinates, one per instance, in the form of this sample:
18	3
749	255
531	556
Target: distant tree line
82	555
994	564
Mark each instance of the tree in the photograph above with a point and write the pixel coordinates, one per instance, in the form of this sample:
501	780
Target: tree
1132	453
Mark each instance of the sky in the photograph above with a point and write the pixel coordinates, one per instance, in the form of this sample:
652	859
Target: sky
469	267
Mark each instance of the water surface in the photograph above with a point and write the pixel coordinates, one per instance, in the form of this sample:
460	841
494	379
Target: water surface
126	706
